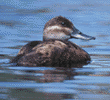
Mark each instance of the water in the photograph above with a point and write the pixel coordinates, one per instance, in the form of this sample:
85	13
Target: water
22	21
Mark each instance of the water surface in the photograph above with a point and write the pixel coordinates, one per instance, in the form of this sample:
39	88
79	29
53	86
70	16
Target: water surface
23	21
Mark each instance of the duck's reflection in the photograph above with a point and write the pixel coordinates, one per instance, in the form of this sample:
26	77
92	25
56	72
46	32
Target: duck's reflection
57	74
44	75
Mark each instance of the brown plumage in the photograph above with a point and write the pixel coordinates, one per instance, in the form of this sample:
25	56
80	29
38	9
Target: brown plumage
51	53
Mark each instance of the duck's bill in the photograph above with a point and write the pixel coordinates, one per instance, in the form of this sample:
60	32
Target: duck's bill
80	35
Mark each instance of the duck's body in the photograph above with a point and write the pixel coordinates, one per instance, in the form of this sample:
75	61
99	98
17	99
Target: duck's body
55	50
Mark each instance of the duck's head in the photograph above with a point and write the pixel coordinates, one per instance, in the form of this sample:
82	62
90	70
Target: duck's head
62	29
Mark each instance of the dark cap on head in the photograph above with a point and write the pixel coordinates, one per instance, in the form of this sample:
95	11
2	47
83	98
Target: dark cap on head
60	21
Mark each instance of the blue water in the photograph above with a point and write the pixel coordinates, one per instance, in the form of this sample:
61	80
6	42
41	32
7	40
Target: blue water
22	21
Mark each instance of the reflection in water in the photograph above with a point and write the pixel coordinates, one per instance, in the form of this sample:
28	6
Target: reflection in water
56	74
59	74
53	82
30	75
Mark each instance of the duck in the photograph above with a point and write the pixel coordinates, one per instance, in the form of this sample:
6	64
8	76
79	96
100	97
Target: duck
55	49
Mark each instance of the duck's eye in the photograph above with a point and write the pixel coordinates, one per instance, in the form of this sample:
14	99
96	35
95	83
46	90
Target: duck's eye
62	23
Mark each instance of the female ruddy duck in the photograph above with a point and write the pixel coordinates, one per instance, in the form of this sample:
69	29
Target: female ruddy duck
55	49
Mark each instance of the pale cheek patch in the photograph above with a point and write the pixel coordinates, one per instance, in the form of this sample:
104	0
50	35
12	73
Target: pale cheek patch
57	32
53	27
50	28
62	36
